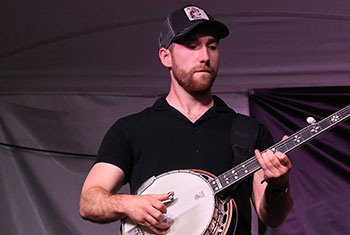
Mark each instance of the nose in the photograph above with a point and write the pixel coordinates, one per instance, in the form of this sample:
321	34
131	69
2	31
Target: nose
204	55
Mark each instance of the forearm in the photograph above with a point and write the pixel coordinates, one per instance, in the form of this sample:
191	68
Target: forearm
98	205
275	207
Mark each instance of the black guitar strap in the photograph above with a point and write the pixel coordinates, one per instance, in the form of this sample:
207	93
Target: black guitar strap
244	135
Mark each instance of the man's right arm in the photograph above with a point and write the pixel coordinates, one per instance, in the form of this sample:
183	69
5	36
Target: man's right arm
98	204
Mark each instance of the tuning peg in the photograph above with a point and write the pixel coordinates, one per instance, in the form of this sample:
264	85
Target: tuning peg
310	120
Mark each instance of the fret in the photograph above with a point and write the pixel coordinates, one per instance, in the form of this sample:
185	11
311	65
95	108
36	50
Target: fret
248	167
344	112
325	123
290	144
306	134
235	174
282	148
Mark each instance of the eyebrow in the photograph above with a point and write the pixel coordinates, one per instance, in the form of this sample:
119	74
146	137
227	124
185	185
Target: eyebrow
213	40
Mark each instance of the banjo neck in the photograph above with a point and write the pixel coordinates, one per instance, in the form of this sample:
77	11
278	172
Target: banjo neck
250	166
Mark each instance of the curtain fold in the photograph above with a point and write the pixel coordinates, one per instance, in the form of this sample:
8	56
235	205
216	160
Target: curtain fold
319	178
40	184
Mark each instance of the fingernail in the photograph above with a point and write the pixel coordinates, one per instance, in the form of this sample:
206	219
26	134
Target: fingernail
170	196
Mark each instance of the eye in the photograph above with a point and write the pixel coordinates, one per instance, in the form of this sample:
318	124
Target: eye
192	46
213	46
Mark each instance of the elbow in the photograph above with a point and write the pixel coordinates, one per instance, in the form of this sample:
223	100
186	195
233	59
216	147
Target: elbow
91	216
83	213
89	210
86	208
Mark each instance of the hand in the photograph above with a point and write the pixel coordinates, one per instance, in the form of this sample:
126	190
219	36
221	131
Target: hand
276	167
147	210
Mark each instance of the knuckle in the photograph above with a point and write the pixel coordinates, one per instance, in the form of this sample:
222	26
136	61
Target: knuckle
156	223
150	226
159	205
142	216
141	220
268	164
158	215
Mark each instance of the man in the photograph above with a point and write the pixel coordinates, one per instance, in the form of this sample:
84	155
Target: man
187	129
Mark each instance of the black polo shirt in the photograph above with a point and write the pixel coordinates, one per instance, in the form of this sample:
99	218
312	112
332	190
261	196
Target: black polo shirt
161	139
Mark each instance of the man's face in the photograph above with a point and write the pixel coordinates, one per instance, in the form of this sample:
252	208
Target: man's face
195	62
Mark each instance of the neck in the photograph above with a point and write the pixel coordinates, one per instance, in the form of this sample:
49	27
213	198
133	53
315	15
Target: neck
192	106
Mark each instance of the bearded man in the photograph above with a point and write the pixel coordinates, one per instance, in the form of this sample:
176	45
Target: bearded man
187	129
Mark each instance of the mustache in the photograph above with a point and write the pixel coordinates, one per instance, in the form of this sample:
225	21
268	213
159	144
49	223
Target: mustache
204	68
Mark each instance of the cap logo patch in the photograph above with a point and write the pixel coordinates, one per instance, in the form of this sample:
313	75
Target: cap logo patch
195	13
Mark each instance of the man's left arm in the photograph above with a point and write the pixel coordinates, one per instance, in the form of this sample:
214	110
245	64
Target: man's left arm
271	195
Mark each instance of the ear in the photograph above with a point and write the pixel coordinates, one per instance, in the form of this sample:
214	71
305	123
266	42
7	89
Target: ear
165	57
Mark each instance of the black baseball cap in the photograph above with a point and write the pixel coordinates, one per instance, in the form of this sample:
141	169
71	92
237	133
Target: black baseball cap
182	21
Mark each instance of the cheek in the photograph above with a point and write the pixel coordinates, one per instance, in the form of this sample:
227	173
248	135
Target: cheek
183	63
215	58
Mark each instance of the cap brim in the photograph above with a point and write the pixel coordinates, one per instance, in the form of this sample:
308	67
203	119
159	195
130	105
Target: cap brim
219	28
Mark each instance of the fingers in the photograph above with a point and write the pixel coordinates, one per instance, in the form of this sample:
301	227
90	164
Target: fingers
157	222
162	198
155	229
283	159
155	219
149	211
266	164
273	164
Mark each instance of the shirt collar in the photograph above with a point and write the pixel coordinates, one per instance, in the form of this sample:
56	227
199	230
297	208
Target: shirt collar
161	104
219	105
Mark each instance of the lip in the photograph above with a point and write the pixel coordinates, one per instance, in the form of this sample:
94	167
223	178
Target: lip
203	71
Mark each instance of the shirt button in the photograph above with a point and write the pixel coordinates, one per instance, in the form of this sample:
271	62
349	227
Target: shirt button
194	128
197	150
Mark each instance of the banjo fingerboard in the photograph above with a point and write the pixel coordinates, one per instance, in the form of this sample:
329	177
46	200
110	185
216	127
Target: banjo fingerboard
248	167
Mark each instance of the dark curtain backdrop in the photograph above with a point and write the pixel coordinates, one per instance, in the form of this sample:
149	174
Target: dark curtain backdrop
40	185
320	175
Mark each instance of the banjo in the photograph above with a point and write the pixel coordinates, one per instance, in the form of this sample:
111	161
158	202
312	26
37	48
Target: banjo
198	207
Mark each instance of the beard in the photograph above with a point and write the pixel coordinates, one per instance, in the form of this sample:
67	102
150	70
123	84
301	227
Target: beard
192	82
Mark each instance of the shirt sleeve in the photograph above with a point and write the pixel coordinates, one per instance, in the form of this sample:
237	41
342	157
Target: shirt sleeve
115	149
265	139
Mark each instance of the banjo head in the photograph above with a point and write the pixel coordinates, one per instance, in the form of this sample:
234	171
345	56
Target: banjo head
193	206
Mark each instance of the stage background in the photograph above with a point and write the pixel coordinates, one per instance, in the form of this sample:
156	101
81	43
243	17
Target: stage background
69	69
